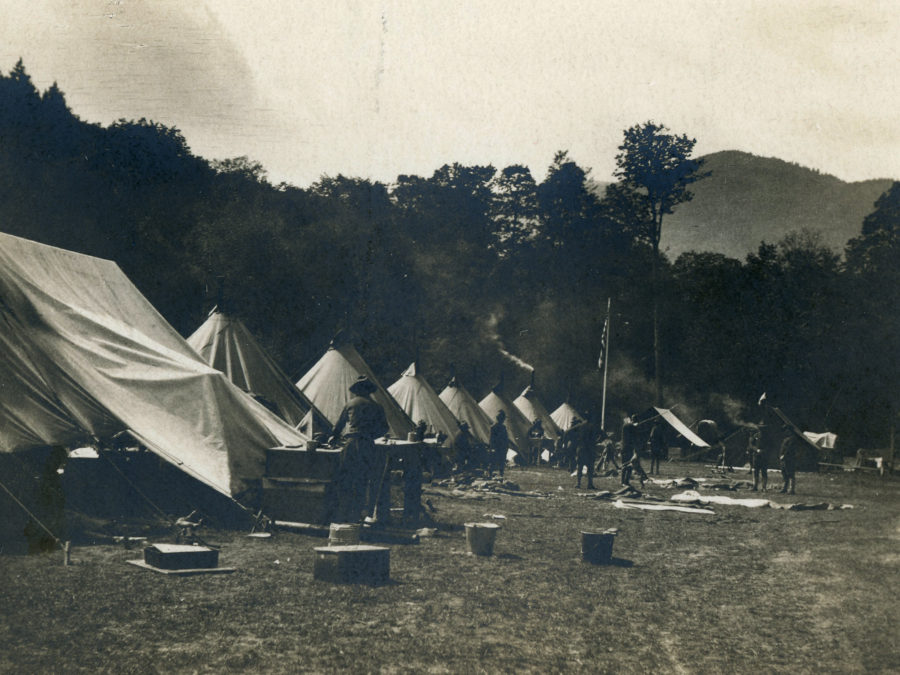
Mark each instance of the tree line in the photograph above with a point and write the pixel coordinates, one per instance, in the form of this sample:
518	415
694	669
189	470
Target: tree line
472	266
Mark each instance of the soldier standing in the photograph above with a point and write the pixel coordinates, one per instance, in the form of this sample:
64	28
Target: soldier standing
789	461
499	443
362	464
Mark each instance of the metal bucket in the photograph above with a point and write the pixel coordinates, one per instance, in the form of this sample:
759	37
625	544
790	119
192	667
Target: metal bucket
596	547
480	538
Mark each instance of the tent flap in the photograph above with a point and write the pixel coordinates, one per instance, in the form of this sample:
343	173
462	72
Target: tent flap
681	427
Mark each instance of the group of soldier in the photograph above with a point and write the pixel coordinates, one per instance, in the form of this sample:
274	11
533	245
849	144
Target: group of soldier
758	457
363	478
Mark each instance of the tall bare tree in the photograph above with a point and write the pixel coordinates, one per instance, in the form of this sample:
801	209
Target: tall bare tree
656	166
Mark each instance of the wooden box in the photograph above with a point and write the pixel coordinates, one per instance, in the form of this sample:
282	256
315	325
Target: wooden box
322	464
353	564
178	556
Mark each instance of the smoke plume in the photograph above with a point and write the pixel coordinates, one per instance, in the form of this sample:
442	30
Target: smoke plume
494	336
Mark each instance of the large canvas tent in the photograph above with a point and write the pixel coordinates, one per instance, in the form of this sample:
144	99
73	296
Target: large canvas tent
466	409
564	416
515	423
83	354
532	408
419	400
225	343
327	385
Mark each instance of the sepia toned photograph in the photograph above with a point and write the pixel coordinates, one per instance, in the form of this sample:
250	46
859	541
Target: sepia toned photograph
394	336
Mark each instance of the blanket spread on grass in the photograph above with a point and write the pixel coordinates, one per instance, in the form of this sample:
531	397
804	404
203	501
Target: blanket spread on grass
694	497
619	504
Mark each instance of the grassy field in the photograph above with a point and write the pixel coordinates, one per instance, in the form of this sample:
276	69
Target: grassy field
744	590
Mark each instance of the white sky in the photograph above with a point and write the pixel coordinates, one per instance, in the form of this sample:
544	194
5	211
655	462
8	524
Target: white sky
384	87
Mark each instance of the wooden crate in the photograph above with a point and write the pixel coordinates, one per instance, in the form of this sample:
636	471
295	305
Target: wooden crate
178	556
353	564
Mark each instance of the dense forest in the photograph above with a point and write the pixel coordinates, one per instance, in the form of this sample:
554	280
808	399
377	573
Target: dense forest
475	270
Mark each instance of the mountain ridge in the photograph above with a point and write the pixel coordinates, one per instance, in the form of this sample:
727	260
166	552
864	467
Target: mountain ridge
748	199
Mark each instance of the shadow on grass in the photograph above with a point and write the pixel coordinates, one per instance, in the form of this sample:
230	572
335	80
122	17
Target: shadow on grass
388	537
509	556
613	562
371	583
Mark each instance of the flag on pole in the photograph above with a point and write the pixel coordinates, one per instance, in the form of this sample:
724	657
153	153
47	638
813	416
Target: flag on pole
603	343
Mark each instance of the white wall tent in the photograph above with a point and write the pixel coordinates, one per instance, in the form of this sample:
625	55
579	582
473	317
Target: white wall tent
83	353
466	409
532	408
564	416
225	343
327	384
419	400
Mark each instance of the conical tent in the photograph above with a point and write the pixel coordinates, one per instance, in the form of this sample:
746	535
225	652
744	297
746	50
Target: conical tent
532	408
327	385
83	353
516	424
421	402
564	416
225	343
466	409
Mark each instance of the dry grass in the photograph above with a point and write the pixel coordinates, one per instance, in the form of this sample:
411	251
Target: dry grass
745	590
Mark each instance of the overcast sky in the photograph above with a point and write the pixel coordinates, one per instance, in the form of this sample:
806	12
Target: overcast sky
382	88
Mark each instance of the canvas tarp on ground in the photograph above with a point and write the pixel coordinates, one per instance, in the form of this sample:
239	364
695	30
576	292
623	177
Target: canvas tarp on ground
83	353
466	409
532	408
225	343
419	400
564	416
327	385
515	423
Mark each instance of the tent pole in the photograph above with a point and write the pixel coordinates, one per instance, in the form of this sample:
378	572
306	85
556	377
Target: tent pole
605	351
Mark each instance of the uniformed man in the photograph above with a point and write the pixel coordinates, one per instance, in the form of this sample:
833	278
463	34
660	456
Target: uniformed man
789	461
585	453
363	464
499	443
535	440
629	450
462	447
759	463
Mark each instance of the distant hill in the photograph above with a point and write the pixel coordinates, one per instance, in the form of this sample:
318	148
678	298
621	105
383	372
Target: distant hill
749	199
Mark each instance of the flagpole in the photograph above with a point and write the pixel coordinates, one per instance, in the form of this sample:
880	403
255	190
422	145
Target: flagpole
605	348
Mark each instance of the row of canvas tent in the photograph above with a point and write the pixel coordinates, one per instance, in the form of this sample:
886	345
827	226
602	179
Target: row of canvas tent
412	399
320	395
85	357
323	391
